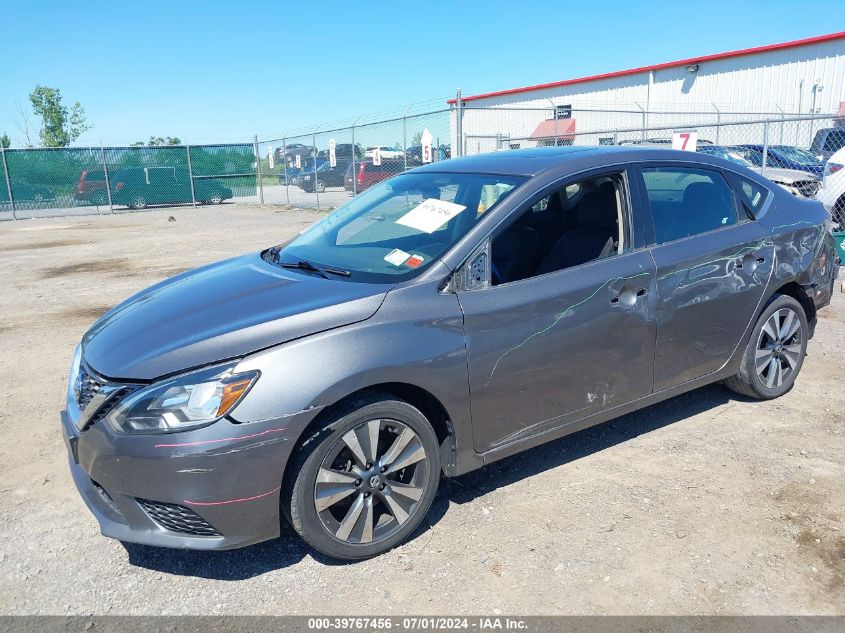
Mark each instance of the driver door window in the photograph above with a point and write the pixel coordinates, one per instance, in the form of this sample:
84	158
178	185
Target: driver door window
579	223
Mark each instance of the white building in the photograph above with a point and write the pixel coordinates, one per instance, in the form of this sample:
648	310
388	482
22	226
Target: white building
778	81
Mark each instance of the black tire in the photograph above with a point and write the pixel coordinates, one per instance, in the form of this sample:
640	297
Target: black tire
300	490
215	197
321	186
788	354
99	198
839	213
138	202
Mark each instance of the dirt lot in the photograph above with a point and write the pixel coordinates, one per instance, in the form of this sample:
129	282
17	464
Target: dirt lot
705	504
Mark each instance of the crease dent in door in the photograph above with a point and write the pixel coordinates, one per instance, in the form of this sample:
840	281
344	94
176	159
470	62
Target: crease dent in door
558	318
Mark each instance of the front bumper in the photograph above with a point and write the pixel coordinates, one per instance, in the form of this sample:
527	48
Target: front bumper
226	477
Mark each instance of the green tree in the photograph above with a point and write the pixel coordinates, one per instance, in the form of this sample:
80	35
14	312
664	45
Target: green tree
417	140
5	141
59	127
162	140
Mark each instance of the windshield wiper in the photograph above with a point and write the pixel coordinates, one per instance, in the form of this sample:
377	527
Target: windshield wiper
304	265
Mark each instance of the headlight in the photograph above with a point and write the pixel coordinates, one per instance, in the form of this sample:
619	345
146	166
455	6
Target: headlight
183	402
74	375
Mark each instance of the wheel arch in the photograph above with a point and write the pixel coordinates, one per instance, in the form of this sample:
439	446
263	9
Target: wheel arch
793	289
428	404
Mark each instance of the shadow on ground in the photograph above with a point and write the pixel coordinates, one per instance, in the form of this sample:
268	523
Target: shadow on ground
289	549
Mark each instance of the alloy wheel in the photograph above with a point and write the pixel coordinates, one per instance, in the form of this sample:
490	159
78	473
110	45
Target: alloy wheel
778	348
371	481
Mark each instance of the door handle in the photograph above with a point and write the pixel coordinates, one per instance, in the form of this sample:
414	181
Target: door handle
628	296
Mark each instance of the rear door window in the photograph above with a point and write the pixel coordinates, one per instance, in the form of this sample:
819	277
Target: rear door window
687	201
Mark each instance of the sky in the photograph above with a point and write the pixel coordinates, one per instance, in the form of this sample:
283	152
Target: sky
215	71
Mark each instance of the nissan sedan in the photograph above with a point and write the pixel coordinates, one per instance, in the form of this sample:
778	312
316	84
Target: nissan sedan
446	318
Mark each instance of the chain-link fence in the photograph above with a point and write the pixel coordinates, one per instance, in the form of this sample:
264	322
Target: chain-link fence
94	180
323	168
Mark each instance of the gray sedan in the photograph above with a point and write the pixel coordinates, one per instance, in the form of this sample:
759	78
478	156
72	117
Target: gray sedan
446	318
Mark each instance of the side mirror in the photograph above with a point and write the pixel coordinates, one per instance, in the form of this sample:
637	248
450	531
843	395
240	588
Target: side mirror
474	274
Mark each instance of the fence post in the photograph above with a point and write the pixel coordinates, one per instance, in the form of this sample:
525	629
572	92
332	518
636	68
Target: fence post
191	176
782	121
405	141
459	122
8	182
354	173
765	147
108	179
718	121
285	167
314	144
258	170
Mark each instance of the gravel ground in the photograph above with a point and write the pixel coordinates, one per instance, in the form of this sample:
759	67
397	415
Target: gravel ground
705	504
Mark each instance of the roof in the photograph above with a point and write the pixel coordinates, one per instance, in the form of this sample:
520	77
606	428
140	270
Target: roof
534	161
681	62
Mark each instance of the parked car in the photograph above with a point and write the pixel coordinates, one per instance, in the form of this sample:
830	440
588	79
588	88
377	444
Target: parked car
92	188
796	182
367	174
325	176
139	187
658	141
330	381
832	193
384	151
23	191
343	151
783	156
292	150
827	142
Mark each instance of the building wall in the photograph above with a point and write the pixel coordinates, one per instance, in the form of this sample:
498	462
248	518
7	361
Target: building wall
767	83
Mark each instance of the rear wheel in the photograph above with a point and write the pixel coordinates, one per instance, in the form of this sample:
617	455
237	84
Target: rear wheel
364	482
775	351
215	198
321	186
138	202
99	198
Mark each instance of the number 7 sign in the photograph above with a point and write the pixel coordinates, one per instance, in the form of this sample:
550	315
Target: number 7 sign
687	141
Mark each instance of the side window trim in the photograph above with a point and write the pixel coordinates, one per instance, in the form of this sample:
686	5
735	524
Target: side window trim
486	244
646	202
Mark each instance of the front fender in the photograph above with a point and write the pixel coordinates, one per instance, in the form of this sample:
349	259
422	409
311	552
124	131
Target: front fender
415	338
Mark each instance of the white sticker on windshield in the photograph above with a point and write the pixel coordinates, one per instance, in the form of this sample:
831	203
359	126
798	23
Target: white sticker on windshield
396	257
430	215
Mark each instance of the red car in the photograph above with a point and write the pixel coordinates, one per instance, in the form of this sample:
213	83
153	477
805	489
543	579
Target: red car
92	187
368	174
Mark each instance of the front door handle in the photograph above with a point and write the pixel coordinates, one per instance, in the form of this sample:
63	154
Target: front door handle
628	296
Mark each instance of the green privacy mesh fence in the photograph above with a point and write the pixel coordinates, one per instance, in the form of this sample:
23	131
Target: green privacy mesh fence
60	181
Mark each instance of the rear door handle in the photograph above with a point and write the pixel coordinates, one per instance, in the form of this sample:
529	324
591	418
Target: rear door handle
628	296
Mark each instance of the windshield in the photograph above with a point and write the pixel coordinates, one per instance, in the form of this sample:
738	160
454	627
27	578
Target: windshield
796	154
399	227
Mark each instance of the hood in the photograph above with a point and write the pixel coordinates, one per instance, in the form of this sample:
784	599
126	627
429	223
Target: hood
787	176
217	312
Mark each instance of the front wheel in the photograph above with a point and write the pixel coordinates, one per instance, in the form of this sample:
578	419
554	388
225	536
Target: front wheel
215	198
364	482
321	186
775	351
138	202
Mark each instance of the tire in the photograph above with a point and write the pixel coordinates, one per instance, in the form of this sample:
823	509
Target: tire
138	202
352	512
781	348
839	213
99	198
215	198
321	186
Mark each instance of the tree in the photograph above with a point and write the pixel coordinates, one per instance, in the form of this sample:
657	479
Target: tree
59	127
417	140
162	140
5	141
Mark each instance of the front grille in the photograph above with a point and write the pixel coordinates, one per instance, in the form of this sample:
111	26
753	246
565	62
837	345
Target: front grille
808	188
88	387
177	518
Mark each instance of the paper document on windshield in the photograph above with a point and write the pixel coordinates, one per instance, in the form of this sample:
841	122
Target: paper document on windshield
430	215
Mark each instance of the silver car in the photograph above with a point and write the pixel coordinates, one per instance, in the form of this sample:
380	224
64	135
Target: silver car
444	319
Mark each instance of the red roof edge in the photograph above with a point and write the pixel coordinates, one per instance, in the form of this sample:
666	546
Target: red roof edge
683	62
